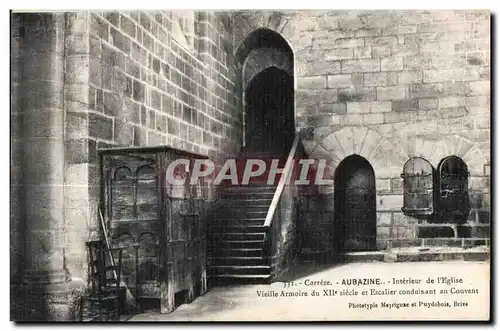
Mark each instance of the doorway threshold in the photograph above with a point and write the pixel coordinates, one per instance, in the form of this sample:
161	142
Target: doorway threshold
419	254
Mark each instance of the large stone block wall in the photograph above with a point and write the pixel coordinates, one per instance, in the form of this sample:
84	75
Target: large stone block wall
89	80
388	85
146	89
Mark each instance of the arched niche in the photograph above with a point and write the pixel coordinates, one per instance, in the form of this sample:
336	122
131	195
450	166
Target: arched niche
268	92
145	172
262	38
418	187
122	173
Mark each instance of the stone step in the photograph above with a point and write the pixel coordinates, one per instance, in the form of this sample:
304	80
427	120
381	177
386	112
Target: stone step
240	252
397	255
442	256
445	230
243	223
251	188
240	269
237	260
259	181
244	229
248	195
236	226
241	244
245	202
241	163
241	236
258	153
243	213
243	220
221	247
264	276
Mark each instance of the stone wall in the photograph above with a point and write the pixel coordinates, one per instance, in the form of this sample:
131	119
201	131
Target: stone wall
16	206
39	275
143	88
92	80
16	137
388	85
147	89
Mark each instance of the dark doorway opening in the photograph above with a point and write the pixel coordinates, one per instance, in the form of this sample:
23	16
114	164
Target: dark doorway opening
453	190
269	100
355	206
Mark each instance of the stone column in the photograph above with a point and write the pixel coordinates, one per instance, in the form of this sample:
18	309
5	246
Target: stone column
47	292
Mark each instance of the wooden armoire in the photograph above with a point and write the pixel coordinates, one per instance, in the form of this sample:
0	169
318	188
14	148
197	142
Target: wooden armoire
161	227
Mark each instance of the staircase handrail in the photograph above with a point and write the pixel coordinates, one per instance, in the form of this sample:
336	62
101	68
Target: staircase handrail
285	178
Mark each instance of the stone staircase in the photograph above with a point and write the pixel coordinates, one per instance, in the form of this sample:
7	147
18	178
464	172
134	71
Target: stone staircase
238	236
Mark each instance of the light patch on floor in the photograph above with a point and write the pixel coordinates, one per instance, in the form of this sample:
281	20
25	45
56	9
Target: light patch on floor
241	302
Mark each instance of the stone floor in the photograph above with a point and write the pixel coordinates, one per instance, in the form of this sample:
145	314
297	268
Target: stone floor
242	303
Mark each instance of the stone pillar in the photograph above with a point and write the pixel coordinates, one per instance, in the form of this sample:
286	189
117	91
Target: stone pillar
82	186
47	291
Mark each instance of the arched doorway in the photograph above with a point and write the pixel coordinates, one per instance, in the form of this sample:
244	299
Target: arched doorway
355	206
268	90
453	178
269	112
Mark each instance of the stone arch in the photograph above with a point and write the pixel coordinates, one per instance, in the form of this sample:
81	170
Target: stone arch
435	149
262	58
252	21
386	159
355	205
263	47
267	81
145	172
122	173
261	37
